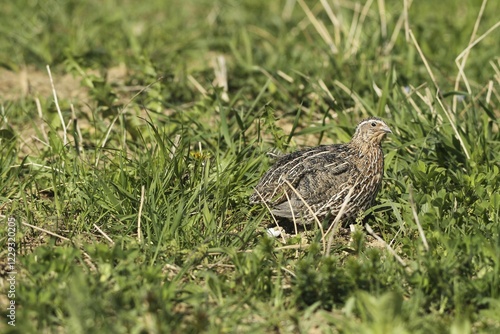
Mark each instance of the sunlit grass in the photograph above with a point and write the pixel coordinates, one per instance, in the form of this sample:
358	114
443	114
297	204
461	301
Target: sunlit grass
132	202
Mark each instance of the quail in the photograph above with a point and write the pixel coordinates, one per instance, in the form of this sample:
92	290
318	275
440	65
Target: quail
314	182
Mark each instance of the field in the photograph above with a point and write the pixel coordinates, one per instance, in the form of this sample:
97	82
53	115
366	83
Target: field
132	134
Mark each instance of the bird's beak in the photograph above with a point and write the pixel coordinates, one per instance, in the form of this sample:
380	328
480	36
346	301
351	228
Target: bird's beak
386	129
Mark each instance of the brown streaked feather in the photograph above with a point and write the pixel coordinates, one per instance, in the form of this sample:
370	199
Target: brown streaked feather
323	176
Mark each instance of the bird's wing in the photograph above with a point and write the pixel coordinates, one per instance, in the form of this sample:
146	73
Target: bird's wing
316	186
310	172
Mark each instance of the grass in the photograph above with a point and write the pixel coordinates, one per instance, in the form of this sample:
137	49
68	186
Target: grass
130	191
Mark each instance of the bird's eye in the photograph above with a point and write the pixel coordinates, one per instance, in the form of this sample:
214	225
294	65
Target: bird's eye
374	124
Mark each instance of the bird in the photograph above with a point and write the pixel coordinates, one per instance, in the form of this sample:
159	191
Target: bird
313	183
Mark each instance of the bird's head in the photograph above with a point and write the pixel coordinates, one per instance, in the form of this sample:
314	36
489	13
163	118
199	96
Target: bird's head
371	130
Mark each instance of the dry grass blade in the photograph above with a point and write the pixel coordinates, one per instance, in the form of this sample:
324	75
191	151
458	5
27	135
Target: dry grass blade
383	18
220	71
325	89
356	30
139	215
293	213
79	142
88	259
335	21
310	211
42	123
445	110
320	28
424	60
403	20
465	55
466	51
175	144
270	211
197	85
285	76
121	113
389	248
334	226
406	8
46	231
417	221
104	234
488	94
59	112
39	166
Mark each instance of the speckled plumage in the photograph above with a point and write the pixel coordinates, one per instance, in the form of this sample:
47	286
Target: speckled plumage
323	176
